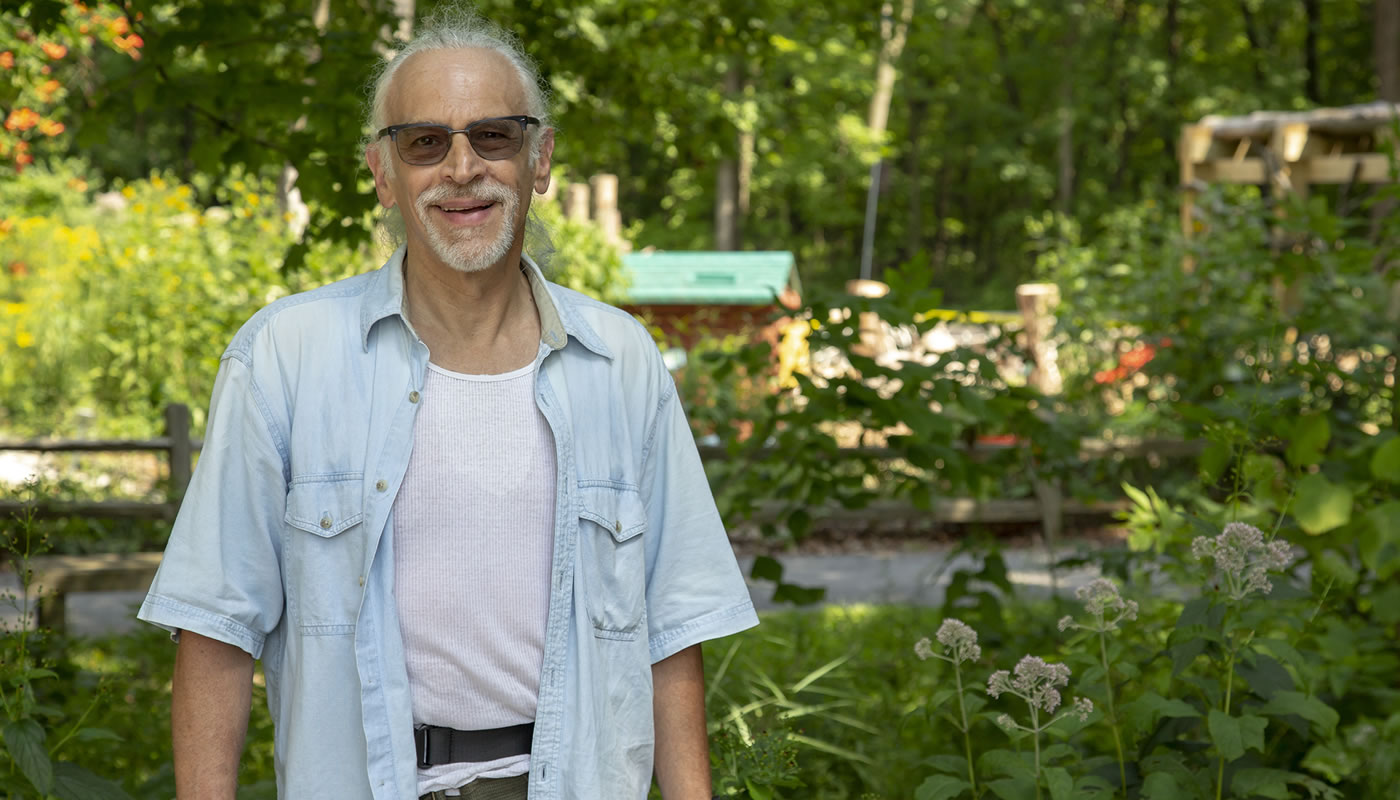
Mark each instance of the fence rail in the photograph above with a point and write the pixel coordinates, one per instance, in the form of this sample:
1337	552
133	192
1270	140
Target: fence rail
56	576
177	445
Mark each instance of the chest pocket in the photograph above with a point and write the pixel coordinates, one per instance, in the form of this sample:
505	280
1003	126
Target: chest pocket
612	559
325	552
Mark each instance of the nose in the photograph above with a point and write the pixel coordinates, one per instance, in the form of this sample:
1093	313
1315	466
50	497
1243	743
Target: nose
461	164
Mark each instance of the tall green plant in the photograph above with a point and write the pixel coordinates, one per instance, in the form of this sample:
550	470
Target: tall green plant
36	732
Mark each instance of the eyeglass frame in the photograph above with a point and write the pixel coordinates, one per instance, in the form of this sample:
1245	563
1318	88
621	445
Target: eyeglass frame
393	133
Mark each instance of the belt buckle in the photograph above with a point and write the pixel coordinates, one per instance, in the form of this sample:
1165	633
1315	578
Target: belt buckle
420	740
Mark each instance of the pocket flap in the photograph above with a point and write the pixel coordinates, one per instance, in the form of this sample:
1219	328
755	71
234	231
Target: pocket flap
620	511
325	508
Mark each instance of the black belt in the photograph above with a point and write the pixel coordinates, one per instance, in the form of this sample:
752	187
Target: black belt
449	746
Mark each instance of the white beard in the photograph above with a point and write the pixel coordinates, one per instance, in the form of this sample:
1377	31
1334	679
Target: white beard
469	249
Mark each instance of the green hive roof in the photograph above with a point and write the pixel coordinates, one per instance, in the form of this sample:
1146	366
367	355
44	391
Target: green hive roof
709	278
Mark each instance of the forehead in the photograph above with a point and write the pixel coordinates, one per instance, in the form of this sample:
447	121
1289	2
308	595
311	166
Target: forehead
454	86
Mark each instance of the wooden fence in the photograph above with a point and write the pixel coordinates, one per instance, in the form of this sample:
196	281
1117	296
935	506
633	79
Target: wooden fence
176	444
56	576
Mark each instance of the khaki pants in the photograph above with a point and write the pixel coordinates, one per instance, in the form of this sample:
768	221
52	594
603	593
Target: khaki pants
489	789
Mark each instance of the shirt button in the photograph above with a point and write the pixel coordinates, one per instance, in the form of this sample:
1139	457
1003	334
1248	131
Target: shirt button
381	485
413	397
362	580
617	526
326	522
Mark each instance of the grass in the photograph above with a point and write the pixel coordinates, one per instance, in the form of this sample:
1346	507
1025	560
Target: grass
841	683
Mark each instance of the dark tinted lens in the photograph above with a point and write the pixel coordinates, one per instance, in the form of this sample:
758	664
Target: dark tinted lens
423	144
497	138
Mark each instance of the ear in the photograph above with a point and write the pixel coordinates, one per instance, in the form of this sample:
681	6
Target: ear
381	172
542	165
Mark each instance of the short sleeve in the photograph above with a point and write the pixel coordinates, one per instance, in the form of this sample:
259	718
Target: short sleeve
695	590
220	575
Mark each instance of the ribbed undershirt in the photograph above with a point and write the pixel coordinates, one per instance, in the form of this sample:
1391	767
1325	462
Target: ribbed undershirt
473	543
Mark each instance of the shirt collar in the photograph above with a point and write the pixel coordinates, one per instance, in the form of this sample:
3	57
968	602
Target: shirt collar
559	316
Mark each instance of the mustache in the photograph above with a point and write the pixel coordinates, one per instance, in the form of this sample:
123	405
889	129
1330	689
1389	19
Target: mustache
478	190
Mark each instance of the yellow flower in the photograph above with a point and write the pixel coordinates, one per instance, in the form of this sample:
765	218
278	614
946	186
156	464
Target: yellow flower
157	182
24	339
128	192
251	199
15	309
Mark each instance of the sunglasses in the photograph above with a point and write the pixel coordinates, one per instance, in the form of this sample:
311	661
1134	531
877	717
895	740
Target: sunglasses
423	144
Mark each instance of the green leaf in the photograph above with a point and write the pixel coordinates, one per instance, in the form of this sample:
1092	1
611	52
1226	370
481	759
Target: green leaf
1259	782
1385	462
1320	505
1323	718
1144	711
798	595
952	765
1265	675
1161	786
1005	762
1013	788
757	792
24	738
1234	735
72	782
766	568
1214	459
1382	532
1061	785
1309	439
941	787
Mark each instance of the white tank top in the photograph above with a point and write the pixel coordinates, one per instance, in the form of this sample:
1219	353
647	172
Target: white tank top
473	545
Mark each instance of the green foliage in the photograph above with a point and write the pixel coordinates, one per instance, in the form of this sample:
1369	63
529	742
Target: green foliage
971	154
35	731
120	303
124	302
575	253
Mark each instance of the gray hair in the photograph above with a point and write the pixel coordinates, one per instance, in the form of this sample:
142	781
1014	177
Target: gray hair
460	28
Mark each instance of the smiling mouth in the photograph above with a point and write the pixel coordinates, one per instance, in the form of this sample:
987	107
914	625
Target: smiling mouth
465	207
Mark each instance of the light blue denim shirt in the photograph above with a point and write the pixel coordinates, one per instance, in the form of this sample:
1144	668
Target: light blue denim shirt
283	545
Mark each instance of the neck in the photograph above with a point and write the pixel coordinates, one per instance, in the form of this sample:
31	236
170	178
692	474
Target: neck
475	322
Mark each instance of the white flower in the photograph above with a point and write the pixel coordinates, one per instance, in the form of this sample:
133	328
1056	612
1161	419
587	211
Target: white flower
1083	707
1067	622
1035	681
959	641
923	650
1244	558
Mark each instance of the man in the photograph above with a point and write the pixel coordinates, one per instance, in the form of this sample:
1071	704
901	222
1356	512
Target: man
455	509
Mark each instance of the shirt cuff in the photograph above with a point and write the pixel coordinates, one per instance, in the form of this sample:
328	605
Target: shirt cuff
176	616
714	625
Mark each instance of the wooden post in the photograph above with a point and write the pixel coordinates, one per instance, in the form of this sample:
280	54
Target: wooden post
1037	303
872	339
1288	178
177	429
605	211
576	202
52	611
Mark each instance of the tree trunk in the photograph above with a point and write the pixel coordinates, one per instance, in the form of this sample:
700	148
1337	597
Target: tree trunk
1312	88
1387	48
1256	47
1013	92
1173	58
913	173
893	34
1126	15
727	191
294	209
1064	150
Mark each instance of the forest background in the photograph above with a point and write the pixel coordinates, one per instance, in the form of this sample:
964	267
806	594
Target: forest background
156	160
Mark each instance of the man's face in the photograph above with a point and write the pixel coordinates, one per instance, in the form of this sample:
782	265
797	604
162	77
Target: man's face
466	211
